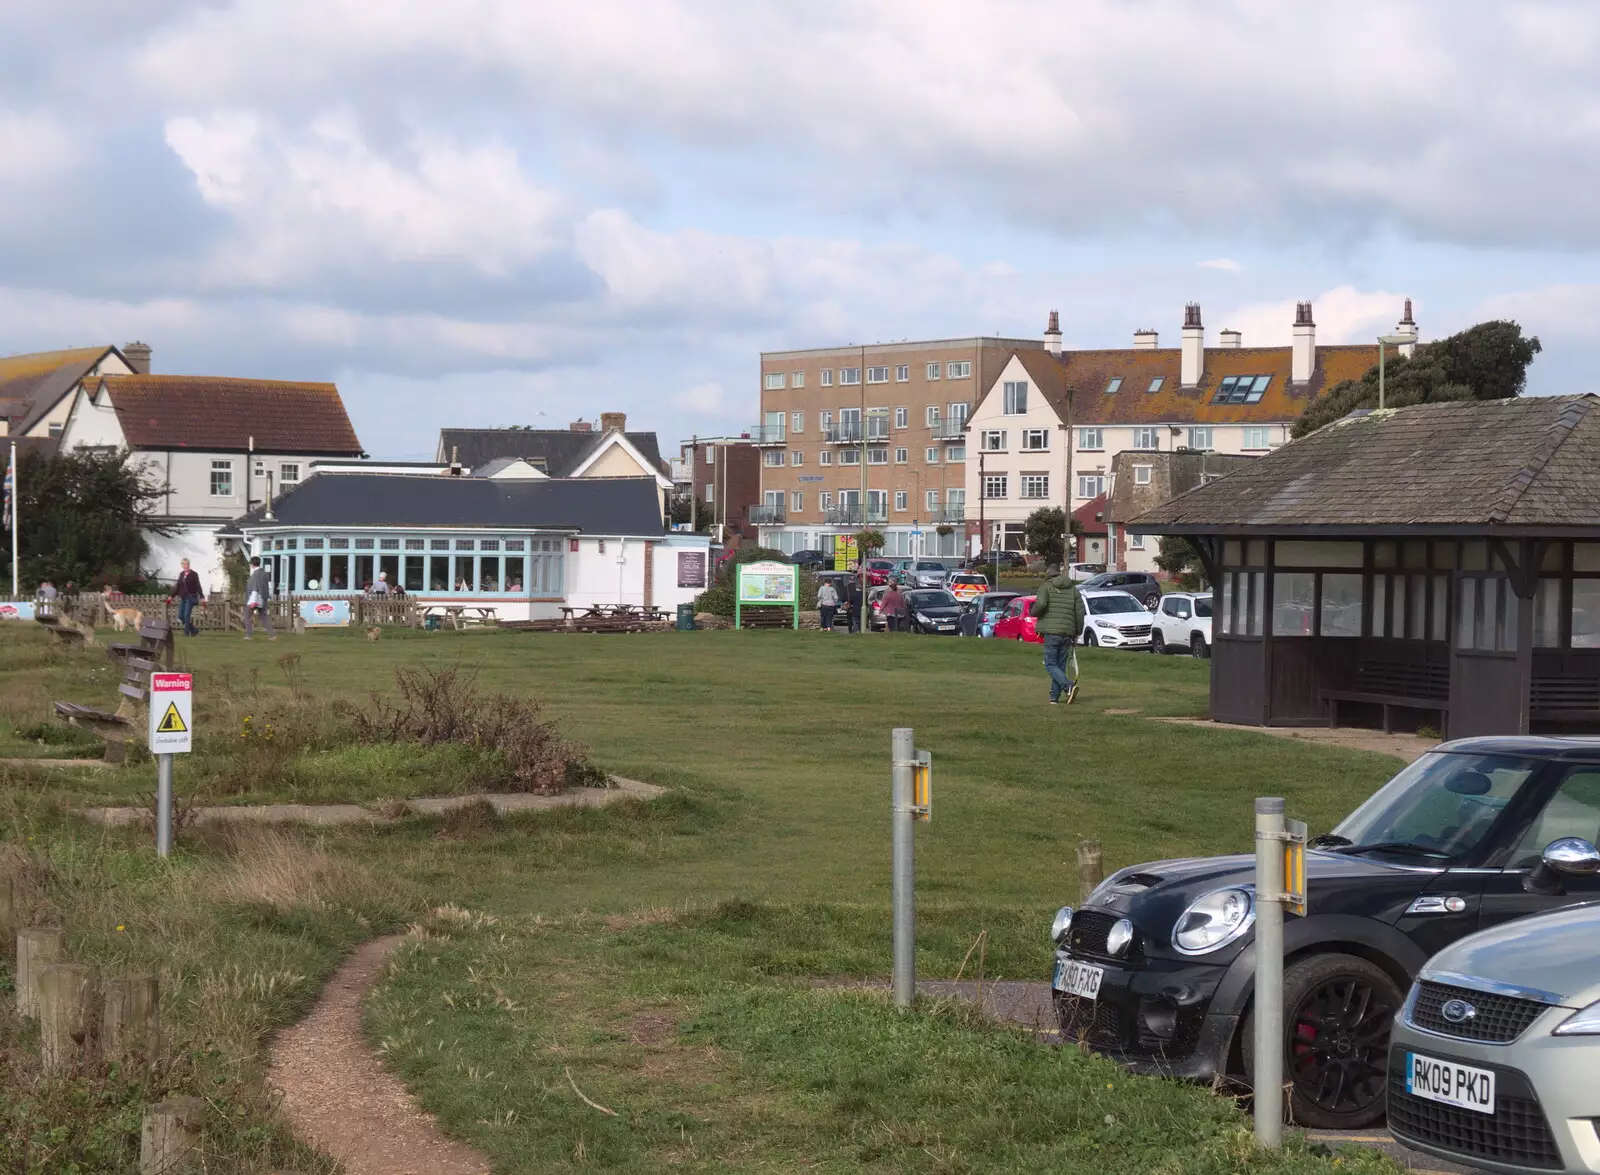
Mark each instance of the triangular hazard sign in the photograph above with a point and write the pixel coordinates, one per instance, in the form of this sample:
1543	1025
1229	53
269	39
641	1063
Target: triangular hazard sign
172	721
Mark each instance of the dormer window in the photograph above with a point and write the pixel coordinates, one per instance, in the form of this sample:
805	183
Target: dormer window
1241	389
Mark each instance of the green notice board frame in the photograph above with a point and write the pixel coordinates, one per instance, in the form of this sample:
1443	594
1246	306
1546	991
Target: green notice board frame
764	585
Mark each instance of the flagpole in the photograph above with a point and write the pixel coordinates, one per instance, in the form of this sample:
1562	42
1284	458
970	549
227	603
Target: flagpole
16	590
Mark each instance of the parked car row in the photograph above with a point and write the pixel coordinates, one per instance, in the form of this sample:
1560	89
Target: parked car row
1409	987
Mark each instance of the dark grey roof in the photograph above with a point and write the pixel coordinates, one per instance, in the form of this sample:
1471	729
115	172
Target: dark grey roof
1527	462
562	450
33	384
601	505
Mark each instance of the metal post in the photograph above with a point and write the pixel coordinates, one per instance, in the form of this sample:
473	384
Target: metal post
903	750
163	805
1268	1043
1380	373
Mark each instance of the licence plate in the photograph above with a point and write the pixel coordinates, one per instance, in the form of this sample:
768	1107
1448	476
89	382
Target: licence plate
1450	1083
1079	979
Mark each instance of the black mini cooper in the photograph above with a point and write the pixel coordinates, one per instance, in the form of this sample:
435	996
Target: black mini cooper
1156	970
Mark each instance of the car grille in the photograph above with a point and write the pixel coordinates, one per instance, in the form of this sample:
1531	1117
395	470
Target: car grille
1499	1018
1140	630
1109	1028
1516	1133
1087	936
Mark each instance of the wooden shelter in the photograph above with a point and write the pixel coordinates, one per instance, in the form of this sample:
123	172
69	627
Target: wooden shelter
1433	564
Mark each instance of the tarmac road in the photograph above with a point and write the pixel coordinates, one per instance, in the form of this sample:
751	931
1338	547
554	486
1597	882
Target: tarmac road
1028	1004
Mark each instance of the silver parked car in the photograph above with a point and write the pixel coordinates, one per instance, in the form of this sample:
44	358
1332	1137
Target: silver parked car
1495	1058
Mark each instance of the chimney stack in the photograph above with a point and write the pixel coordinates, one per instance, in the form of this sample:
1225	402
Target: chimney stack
138	357
580	426
613	422
1052	334
1193	363
1231	339
1146	340
1303	357
1407	326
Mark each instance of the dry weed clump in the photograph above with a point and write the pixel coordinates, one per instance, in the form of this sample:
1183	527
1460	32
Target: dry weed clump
442	706
276	868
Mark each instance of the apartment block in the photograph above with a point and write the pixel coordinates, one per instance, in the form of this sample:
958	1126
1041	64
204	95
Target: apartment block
725	474
872	436
1049	426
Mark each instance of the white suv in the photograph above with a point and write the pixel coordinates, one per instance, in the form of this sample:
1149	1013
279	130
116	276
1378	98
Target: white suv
1115	620
1183	623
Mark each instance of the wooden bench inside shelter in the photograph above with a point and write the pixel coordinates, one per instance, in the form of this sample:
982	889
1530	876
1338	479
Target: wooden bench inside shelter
1392	686
153	652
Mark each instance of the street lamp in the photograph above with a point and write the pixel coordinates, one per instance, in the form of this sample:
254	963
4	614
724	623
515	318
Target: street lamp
1392	341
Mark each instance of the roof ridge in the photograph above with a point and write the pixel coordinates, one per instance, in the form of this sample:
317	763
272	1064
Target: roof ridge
1572	414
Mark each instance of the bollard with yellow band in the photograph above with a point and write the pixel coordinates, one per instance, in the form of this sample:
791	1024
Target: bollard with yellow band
922	787
1294	867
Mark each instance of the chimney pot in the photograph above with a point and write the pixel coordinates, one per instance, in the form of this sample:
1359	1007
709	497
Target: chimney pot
138	357
1407	326
1146	339
1191	315
1052	333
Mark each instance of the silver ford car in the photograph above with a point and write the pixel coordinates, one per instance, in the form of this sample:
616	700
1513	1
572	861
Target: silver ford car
1495	1057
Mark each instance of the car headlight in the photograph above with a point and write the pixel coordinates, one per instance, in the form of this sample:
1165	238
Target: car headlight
1119	936
1214	921
1060	924
1098	623
923	616
1584	1022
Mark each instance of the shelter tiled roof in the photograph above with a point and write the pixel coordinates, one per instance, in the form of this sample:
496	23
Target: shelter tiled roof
1528	462
222	414
30	385
558	451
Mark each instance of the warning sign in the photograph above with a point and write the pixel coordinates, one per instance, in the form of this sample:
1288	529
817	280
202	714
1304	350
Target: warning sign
171	713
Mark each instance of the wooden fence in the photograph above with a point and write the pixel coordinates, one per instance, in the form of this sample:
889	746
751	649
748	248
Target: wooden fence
221	613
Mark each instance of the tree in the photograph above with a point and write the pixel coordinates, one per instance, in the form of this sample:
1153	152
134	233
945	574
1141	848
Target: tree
1177	556
1484	362
1045	534
678	508
83	518
868	541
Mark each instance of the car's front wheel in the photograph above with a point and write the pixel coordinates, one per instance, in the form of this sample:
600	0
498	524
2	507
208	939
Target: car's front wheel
1336	1015
1088	639
1157	644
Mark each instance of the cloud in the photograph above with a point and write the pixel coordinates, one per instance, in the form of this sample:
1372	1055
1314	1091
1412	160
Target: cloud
34	146
705	399
1342	314
1224	263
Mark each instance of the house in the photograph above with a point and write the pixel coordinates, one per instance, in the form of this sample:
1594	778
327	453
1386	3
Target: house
1437	563
577	451
1049	424
871	435
1140	482
216	446
525	546
724	473
37	391
1091	530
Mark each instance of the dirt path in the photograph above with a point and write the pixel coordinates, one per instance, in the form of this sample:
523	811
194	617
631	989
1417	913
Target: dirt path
339	1099
1401	746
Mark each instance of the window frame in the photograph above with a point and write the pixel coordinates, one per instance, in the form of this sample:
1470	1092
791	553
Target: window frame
775	381
1143	474
225	467
958	369
991	480
1042	435
932	372
1040	482
1014	397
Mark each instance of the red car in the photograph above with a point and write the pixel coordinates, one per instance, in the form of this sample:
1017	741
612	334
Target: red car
878	571
1015	624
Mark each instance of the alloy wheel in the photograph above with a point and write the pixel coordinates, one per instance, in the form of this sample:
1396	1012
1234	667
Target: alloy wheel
1339	1044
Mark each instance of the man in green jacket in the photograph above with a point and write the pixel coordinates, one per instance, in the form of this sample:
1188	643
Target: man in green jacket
1058	616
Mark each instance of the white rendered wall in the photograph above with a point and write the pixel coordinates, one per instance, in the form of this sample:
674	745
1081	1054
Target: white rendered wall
1013	462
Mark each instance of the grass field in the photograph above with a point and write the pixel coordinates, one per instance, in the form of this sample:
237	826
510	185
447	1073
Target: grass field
666	954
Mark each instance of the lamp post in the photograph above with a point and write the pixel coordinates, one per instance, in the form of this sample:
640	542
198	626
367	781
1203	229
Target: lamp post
1391	341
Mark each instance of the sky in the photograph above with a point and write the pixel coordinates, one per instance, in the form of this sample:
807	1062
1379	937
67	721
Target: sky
498	212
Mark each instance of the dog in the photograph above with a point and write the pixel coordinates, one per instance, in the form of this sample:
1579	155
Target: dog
374	633
122	618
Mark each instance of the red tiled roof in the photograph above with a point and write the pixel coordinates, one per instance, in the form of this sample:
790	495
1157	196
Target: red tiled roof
1084	375
206	412
32	384
1092	515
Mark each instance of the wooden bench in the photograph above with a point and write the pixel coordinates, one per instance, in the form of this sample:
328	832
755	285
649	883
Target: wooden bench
59	620
1390	702
766	618
1408	685
154	651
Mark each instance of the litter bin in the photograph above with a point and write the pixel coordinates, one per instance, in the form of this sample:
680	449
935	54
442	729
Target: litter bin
685	618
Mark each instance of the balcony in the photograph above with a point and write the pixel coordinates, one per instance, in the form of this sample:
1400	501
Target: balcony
944	514
851	516
845	433
768	515
948	428
768	434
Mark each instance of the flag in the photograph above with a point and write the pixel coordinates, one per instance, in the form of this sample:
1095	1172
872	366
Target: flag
9	520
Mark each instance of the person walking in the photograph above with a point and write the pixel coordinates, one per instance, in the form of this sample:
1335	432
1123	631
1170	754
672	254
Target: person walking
853	599
1058	617
893	606
256	593
188	592
827	604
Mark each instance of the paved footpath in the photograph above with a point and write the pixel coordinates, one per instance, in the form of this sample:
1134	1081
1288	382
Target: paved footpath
1028	1004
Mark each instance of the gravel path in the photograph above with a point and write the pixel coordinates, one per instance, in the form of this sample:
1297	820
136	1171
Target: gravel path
339	1099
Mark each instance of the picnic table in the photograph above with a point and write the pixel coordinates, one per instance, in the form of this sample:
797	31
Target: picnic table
611	611
460	615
